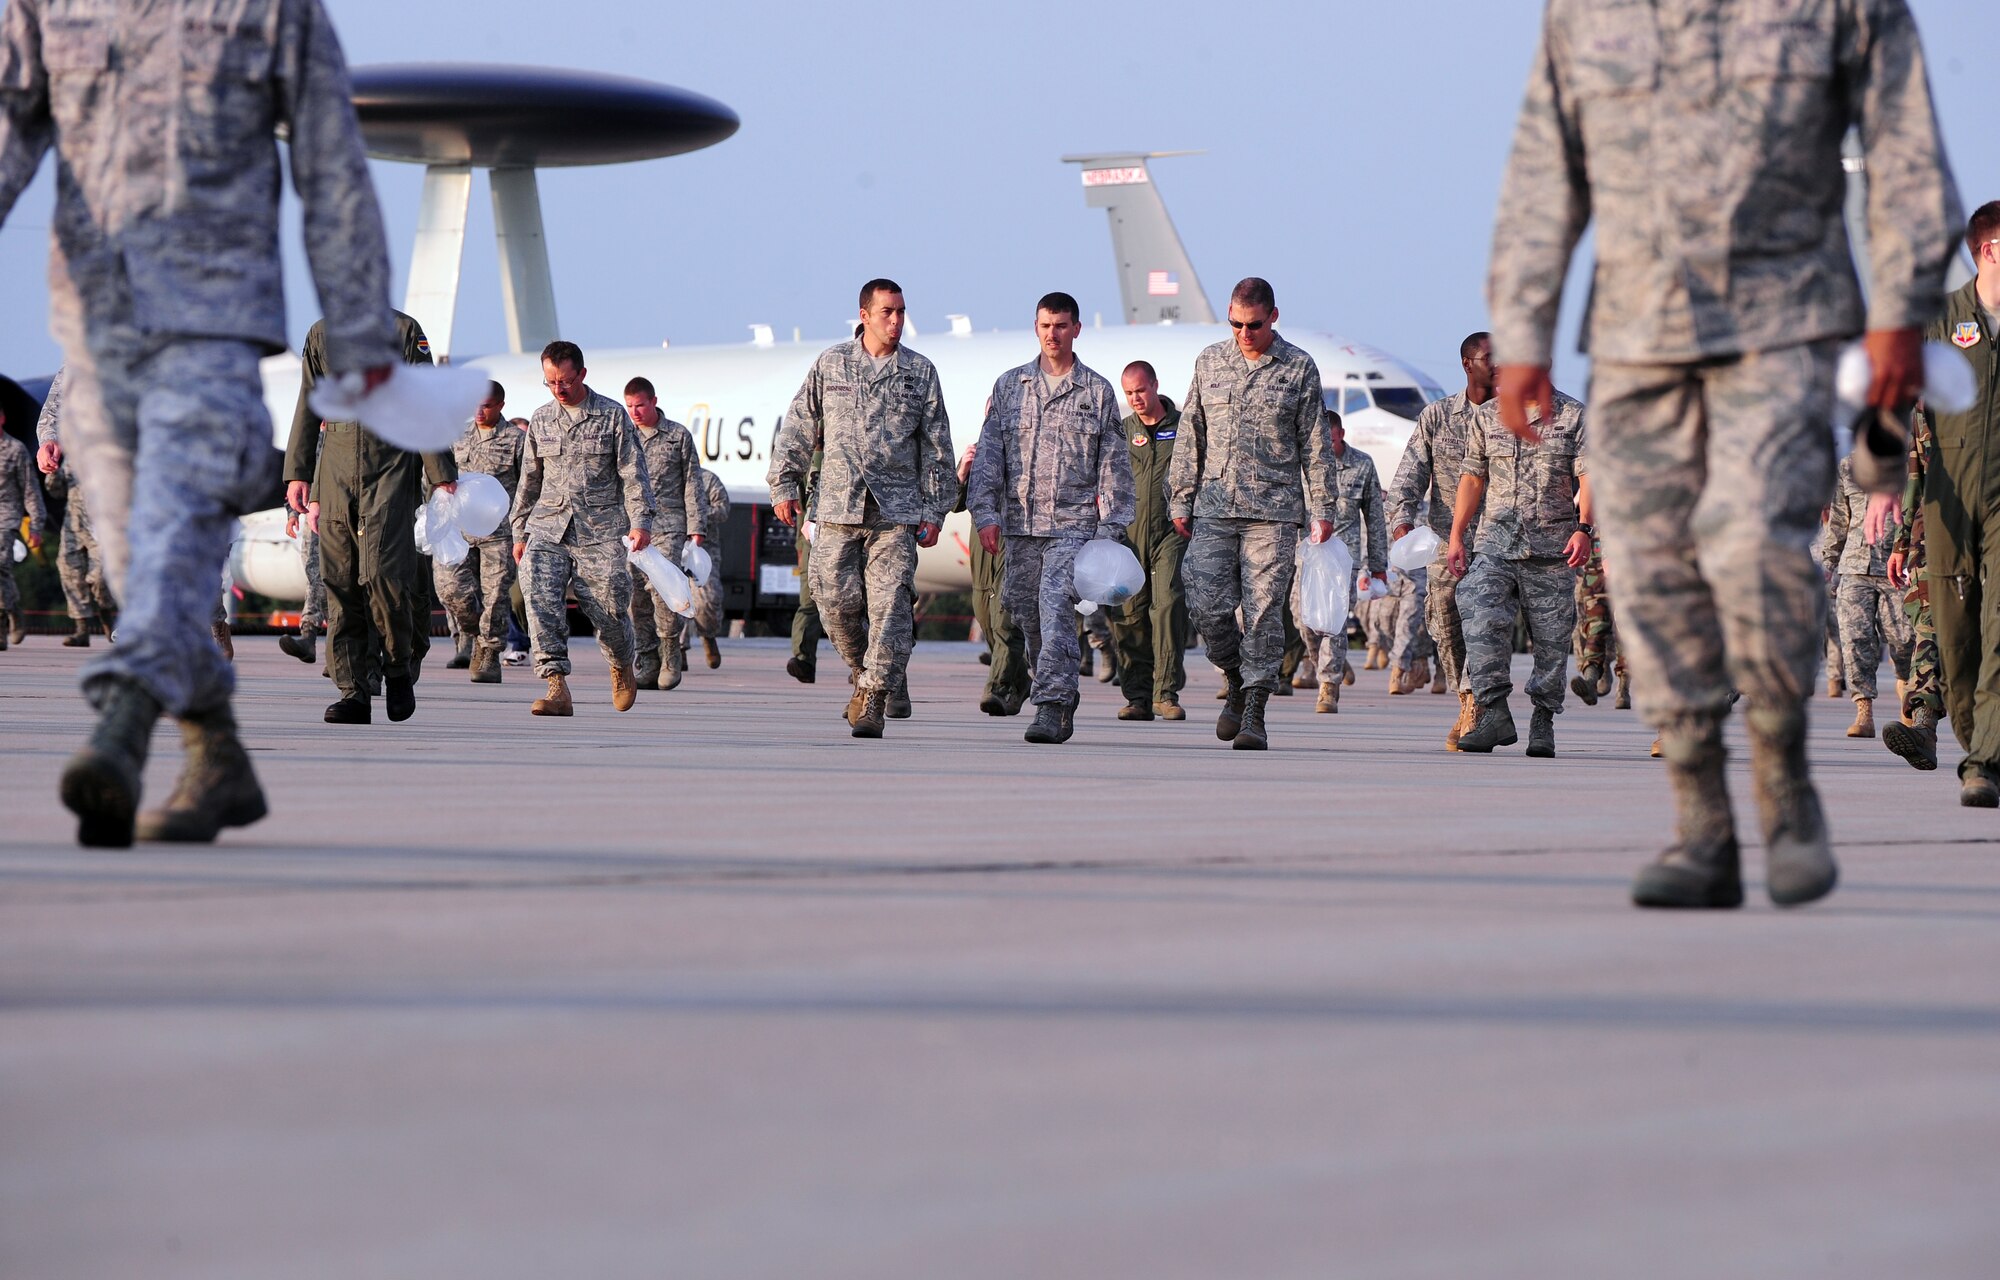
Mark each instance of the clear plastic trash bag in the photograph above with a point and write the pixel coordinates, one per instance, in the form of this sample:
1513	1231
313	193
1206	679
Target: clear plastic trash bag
438	535
422	407
1106	573
696	560
667	579
1414	550
20	551
482	504
1326	581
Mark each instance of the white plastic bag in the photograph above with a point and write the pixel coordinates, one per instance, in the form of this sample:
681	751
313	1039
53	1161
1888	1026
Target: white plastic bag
421	407
1414	550
20	551
482	504
696	560
1369	588
1326	575
438	534
666	577
1949	386
1105	573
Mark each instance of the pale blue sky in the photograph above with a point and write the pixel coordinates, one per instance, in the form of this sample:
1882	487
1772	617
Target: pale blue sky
1354	156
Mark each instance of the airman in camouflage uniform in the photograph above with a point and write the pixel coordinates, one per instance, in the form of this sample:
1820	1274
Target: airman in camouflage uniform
1052	445
1534	533
1914	738
1868	607
674	471
803	665
166	291
20	499
583	488
1357	521
1253	460
874	409
477	590
1703	138
708	621
1427	480
1595	634
1006	647
79	563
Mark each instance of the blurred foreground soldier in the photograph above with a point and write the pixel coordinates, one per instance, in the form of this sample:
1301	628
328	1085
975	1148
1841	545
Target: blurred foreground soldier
476	590
1357	521
708	620
1006	648
20	499
1151	629
1914	737
1533	502
1427	478
872	407
378	589
674	474
1961	515
1052	443
79	562
1704	140
583	488
1869	608
1253	437
166	289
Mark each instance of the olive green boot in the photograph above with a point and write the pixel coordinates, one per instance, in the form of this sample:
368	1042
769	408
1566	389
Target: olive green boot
100	785
1492	726
217	787
1702	868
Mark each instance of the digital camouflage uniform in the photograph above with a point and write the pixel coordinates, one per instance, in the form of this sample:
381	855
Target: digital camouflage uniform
1427	480
1359	522
1517	565
1151	629
1253	462
79	563
1868	608
477	590
674	472
1044	459
887	467
1925	689
377	583
20	499
1007	667
583	488
1702	140
708	623
166	281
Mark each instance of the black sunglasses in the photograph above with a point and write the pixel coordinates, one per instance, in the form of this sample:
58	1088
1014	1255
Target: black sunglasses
1251	325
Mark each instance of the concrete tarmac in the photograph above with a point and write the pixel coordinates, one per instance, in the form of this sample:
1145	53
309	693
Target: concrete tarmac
710	989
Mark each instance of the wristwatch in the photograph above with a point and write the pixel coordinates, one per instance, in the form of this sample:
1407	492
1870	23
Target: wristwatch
1590	529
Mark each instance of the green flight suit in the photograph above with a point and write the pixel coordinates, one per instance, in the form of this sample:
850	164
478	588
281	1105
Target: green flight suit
368	493
1962	535
1151	629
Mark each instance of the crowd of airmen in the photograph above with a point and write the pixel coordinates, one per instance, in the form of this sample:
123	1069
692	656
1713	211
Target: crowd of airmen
1699	139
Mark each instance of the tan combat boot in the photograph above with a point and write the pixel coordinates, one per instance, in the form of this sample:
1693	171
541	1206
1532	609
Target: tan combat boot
624	689
1419	674
1864	719
556	702
1329	699
1466	710
1375	660
1902	700
1437	679
486	663
1835	686
855	705
217	787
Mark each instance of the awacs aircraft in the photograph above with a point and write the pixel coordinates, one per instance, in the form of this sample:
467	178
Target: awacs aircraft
733	397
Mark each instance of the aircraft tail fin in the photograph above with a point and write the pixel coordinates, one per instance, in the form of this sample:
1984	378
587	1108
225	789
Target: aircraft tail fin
1156	279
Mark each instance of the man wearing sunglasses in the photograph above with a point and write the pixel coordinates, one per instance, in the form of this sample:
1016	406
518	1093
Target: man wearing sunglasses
1253	460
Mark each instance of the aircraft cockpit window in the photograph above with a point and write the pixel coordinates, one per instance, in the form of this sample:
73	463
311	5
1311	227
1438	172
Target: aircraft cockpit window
1355	400
1404	402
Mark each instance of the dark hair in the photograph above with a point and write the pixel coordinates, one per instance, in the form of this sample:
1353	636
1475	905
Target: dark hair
641	387
560	353
1333	417
494	391
875	286
1471	343
1142	366
1984	226
1057	304
1253	291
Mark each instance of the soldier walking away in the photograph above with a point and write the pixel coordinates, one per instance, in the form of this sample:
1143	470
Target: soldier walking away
1717	309
476	590
1961	547
166	292
1533	502
20	499
1357	521
708	621
1868	607
1151	629
873	409
1053	445
583	488
377	587
1253	462
1426	486
674	474
79	562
